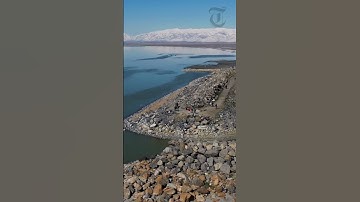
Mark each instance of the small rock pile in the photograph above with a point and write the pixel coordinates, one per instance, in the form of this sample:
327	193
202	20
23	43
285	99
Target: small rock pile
184	171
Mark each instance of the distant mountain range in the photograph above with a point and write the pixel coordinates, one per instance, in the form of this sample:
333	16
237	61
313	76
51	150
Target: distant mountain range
206	35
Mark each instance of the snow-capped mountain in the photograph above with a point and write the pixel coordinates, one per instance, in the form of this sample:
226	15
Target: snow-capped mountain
186	35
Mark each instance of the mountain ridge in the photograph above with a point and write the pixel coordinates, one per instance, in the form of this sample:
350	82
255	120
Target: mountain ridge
185	35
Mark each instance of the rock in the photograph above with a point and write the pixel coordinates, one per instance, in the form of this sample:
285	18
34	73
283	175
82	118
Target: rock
201	150
131	188
210	161
181	175
232	153
203	190
185	189
211	153
132	180
195	166
202	127
204	167
181	157
153	125
197	182
187	151
189	159
225	168
230	187
171	185
219	160
200	198
167	150
137	186
201	158
127	193
149	191
157	190
215	180
180	164
205	122
169	191
202	178
217	166
209	147
143	177
184	197
232	145
138	196
159	163
223	153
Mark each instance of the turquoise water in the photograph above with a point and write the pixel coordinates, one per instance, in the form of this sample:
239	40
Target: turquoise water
149	74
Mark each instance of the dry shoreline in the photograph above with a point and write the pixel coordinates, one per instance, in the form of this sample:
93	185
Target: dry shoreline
200	162
202	106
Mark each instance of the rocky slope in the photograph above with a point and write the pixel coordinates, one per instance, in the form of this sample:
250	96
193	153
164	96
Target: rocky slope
184	171
195	111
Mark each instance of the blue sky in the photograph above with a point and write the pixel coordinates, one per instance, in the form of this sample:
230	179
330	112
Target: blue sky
141	16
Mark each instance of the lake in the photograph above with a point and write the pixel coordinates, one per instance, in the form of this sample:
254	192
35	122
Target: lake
150	72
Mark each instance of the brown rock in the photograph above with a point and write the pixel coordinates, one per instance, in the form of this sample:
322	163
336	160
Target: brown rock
144	177
127	193
138	195
221	194
184	197
215	180
169	191
203	190
157	189
149	191
202	178
137	187
200	198
186	189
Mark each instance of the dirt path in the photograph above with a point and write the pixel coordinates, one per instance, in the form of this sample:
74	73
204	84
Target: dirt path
212	111
209	110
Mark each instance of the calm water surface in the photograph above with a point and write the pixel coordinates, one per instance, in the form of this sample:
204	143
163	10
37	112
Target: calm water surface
149	74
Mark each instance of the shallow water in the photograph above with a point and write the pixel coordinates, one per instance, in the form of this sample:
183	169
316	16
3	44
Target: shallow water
148	77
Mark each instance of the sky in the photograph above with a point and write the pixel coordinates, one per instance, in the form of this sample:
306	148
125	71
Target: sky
142	16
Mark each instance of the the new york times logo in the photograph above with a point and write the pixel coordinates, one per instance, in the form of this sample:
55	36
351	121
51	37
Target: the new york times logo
217	17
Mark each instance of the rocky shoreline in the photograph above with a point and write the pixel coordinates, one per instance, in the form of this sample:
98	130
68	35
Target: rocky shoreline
200	162
185	171
204	109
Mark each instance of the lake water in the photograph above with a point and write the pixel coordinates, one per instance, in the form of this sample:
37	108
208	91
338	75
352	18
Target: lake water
150	73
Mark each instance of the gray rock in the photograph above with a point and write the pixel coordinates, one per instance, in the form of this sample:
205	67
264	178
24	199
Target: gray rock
201	158
204	167
219	160
201	150
159	163
211	153
232	153
189	159
210	161
217	166
167	150
223	153
181	164
225	168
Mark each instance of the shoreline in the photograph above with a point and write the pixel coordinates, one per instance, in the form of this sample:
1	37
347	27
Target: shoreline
161	120
215	45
